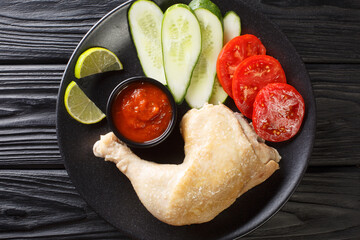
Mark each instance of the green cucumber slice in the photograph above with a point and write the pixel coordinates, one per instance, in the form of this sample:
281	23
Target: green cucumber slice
206	4
218	94
181	44
145	19
203	77
232	26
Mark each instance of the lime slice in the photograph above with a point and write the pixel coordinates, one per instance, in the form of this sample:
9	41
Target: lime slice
92	61
96	60
80	107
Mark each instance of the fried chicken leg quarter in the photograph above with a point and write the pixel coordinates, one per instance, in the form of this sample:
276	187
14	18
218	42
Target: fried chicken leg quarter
223	159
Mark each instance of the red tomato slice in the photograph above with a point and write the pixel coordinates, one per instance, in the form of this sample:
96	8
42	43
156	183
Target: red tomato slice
250	76
278	112
232	54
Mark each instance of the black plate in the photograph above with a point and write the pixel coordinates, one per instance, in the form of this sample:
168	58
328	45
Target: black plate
110	193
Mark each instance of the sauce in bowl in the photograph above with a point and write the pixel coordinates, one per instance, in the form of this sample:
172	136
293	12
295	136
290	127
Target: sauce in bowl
141	112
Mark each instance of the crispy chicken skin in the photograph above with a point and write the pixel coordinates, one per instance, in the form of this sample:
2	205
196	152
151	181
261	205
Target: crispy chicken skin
223	159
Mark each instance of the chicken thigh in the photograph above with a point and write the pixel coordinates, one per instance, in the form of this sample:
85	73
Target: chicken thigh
223	159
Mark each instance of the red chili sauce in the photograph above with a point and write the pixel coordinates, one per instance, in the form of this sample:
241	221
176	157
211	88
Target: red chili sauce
141	112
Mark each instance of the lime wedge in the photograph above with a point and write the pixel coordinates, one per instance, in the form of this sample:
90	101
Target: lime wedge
96	60
80	107
92	61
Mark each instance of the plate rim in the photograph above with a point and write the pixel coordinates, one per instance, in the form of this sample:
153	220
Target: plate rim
312	121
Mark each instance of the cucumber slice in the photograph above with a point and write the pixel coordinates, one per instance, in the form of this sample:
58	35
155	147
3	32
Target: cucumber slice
181	44
145	19
232	26
202	80
206	4
218	94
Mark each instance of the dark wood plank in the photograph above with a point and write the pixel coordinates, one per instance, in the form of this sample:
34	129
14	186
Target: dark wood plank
337	94
44	204
27	115
322	31
48	31
325	206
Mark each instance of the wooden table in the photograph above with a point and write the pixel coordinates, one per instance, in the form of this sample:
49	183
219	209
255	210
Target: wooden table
37	198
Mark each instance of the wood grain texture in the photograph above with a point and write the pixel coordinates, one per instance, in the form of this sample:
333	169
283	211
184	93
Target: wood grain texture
321	208
43	204
27	115
337	93
46	31
321	31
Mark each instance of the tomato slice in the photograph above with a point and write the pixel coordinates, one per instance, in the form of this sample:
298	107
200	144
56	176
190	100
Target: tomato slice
250	76
232	54
278	112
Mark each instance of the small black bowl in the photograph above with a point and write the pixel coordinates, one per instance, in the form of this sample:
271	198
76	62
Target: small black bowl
117	90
